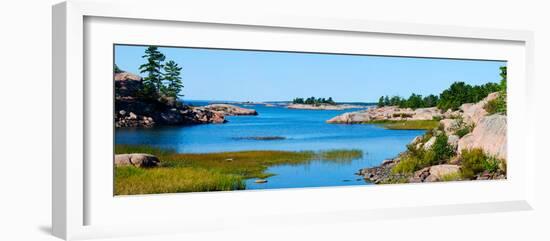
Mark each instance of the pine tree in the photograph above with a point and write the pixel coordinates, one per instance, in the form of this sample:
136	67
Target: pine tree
172	76
152	83
116	69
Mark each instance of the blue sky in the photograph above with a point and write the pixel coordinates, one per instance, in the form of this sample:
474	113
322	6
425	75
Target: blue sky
214	74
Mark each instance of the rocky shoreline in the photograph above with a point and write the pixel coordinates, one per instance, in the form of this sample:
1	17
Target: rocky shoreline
466	129
131	110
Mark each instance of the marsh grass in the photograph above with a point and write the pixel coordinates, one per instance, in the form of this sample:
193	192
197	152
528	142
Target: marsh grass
133	180
191	172
407	124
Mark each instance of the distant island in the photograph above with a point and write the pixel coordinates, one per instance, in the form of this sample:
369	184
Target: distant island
313	103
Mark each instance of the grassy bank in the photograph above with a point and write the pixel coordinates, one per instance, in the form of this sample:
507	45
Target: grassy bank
407	124
195	172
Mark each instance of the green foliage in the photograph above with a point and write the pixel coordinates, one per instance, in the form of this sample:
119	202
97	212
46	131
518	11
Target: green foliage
442	150
455	176
314	101
407	124
463	131
161	79
116	69
472	162
171	75
408	165
152	83
459	93
499	104
132	180
475	161
416	159
414	101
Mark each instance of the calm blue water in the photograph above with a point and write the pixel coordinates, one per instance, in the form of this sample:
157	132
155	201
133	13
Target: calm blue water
303	130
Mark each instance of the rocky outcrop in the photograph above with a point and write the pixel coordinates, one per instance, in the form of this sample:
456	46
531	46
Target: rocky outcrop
325	107
386	113
489	134
137	160
134	110
227	109
473	112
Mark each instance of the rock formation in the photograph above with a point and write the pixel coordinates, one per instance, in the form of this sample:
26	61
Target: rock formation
133	110
228	110
387	113
489	134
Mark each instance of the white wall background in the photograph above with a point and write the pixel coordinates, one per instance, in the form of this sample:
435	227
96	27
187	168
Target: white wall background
25	119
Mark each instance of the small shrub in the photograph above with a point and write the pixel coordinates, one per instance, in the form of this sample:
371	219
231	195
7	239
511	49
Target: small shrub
437	118
491	164
463	131
455	176
497	105
442	150
402	115
472	162
407	165
476	161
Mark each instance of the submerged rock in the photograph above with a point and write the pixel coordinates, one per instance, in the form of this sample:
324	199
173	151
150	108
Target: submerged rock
261	138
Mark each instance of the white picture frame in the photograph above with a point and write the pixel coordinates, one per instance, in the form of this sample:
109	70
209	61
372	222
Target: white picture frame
77	196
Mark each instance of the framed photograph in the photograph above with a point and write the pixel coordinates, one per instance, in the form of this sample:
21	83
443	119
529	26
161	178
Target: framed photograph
175	120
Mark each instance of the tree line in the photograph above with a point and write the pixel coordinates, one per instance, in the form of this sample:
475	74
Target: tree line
451	98
162	79
314	101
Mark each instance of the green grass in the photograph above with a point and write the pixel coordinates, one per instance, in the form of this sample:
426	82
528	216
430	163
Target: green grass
407	124
188	172
133	180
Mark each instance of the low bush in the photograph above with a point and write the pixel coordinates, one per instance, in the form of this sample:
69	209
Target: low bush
402	115
455	176
416	159
463	131
497	105
475	161
442	150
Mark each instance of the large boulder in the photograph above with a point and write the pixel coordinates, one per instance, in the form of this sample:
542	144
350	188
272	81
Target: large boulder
472	113
489	134
137	160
